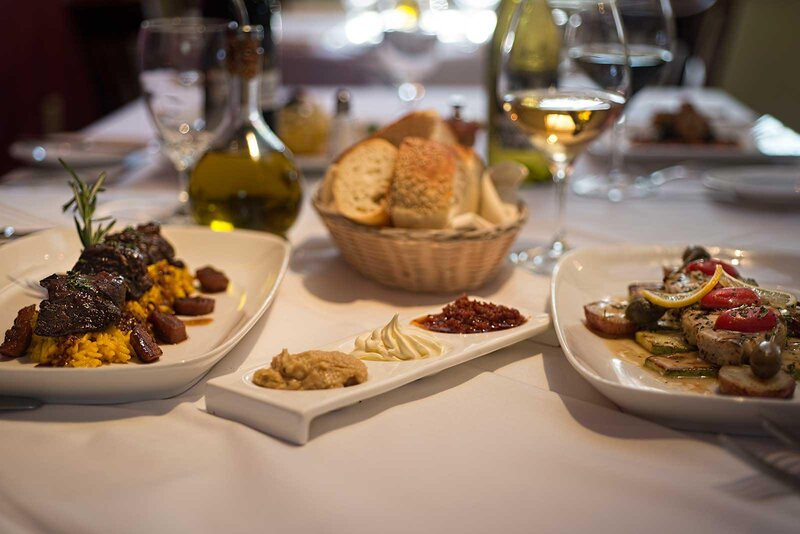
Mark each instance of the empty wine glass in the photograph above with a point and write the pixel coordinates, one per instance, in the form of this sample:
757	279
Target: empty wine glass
408	52
182	73
552	99
649	31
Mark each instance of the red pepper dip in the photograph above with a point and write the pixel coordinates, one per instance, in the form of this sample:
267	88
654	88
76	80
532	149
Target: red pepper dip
466	316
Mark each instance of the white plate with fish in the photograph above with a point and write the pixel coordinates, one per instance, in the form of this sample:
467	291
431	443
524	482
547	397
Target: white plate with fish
254	262
288	414
592	274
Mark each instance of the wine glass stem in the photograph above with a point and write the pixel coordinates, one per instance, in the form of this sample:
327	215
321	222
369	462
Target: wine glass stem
560	171
183	186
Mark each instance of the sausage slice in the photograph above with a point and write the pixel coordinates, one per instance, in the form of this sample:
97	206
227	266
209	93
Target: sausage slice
168	328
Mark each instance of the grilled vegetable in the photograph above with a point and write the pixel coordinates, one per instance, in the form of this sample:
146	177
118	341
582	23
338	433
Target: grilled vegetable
634	290
770	297
707	267
740	380
694	253
608	317
765	359
643	313
680	365
747	319
662	342
725	298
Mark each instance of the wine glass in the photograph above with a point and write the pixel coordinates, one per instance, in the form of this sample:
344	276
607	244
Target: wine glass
650	34
183	78
552	99
407	52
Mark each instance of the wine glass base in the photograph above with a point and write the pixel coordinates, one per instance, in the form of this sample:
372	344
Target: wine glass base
539	260
615	188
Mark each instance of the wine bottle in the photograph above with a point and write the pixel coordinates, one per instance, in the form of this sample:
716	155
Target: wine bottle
248	178
505	139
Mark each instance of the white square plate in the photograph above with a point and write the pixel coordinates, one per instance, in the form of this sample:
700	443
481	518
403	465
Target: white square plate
254	262
589	274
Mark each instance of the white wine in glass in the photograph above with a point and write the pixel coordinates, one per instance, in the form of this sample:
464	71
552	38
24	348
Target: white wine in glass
560	108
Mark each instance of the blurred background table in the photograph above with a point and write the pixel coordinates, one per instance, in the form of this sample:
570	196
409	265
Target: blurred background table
515	441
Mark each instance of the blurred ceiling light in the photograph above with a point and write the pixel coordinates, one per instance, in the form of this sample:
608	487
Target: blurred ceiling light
364	28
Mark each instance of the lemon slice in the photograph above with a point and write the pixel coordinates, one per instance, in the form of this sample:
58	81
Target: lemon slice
771	297
681	300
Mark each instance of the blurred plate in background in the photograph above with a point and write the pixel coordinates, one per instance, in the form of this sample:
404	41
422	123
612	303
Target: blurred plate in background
771	184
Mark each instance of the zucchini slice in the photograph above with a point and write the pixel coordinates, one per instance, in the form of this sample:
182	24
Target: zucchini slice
687	364
662	342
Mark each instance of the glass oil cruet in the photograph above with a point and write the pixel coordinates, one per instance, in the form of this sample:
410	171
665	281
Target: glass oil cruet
248	178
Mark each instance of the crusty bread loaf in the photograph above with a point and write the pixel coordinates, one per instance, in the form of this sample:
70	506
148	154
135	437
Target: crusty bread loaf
361	179
467	184
425	124
422	191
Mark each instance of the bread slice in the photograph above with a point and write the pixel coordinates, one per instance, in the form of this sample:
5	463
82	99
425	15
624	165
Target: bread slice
424	124
467	185
422	191
361	179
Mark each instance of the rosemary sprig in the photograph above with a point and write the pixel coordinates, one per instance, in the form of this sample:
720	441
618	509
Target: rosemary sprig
83	204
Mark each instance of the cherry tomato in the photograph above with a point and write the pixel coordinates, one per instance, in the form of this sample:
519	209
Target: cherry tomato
747	319
725	298
708	267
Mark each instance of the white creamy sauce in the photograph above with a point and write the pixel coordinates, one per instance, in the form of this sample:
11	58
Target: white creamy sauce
393	343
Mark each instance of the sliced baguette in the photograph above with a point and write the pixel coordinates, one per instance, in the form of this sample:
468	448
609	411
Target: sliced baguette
422	190
467	185
360	182
424	124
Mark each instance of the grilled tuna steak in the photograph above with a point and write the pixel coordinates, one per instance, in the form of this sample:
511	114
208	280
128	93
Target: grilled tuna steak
121	260
694	320
726	347
18	337
681	282
79	303
147	239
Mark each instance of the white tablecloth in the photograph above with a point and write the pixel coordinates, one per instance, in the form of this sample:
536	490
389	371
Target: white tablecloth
515	441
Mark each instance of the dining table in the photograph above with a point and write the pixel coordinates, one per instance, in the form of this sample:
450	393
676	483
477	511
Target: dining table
514	441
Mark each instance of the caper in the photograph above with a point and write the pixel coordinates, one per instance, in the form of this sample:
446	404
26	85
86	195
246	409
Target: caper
642	312
695	253
765	360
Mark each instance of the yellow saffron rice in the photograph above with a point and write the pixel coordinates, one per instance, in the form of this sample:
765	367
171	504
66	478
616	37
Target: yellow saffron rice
170	283
112	345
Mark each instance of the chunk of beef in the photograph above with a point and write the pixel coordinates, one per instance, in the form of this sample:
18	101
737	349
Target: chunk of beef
168	328
118	259
18	337
211	280
79	303
144	345
147	239
193	306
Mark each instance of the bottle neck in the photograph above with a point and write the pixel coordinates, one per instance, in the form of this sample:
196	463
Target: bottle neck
248	104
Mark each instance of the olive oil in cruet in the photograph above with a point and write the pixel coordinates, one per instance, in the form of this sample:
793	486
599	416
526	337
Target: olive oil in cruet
248	179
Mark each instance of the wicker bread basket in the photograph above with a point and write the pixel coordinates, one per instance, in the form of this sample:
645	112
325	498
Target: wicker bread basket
445	260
